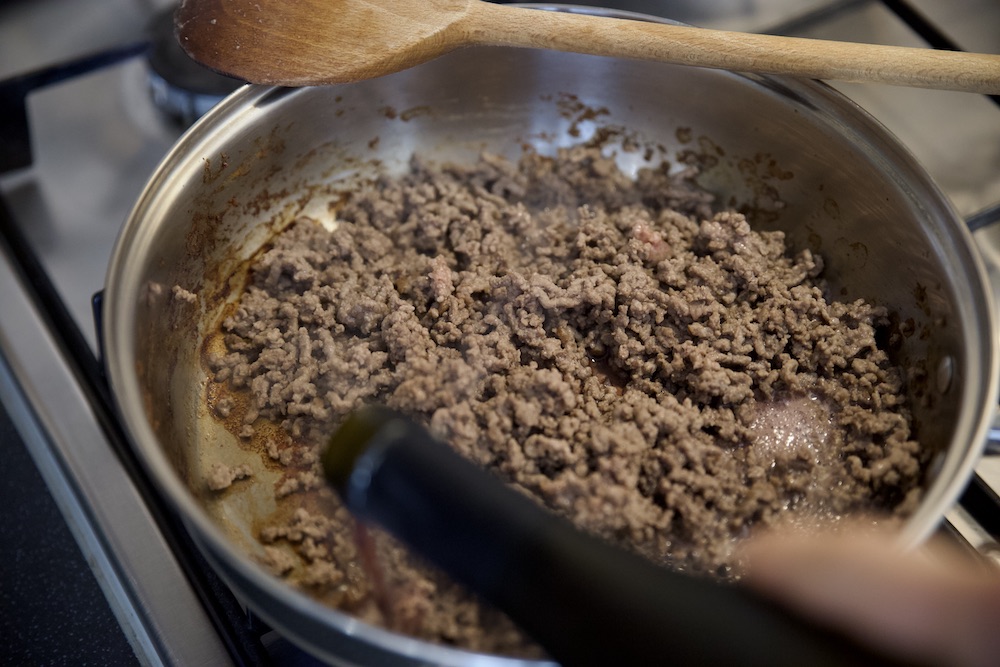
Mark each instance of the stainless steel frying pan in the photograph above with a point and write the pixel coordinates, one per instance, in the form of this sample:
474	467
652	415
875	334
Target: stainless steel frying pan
801	157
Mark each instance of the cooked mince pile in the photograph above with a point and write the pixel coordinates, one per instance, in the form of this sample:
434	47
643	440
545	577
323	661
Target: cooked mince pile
653	370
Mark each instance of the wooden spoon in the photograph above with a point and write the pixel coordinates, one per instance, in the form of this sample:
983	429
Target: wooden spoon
316	42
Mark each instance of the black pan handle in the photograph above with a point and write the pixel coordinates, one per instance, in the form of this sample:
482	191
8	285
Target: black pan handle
585	601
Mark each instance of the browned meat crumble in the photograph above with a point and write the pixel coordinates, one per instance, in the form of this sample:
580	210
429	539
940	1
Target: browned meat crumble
659	373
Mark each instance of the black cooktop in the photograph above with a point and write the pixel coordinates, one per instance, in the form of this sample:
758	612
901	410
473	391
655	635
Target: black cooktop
52	612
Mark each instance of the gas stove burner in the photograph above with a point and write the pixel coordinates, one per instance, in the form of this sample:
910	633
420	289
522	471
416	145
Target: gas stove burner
182	88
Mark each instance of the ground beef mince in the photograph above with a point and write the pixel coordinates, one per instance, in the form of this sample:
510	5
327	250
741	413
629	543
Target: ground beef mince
654	370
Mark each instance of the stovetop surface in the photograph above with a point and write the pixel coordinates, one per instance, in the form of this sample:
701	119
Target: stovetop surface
96	139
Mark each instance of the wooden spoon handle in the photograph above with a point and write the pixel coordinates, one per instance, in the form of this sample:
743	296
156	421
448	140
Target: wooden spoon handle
501	25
